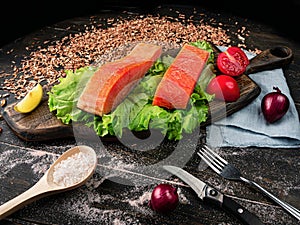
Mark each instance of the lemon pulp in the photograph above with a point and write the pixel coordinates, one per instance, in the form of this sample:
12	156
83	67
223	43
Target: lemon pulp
31	100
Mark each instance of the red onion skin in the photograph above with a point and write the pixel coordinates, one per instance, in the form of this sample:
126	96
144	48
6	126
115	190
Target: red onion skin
164	198
274	105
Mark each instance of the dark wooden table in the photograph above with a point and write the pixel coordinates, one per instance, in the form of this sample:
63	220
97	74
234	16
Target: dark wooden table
117	194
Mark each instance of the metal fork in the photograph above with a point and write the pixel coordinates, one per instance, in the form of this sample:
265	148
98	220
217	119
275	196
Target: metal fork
230	172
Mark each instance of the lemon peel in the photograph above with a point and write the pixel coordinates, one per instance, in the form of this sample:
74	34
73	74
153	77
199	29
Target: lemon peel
31	100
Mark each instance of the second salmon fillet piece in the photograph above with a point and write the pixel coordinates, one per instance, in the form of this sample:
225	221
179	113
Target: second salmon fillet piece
113	81
178	82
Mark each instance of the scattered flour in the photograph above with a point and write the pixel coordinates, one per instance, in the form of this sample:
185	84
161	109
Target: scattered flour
182	198
142	200
38	160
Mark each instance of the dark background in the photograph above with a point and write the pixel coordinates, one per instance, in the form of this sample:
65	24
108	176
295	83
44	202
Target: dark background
21	18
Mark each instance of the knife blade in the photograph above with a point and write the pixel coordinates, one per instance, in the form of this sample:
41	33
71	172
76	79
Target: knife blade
210	194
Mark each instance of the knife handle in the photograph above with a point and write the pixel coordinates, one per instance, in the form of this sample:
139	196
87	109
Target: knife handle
240	212
228	204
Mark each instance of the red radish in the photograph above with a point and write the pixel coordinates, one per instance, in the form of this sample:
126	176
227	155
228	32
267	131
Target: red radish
274	105
233	61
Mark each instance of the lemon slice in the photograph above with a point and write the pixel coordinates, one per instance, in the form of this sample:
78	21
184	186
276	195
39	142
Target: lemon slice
31	100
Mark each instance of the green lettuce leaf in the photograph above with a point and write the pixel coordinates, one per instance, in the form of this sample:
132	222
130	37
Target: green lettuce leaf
63	96
136	112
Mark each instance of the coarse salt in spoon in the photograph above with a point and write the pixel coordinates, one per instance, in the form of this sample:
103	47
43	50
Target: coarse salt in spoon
71	170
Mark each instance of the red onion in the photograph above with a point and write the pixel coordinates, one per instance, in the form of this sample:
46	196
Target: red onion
274	105
164	198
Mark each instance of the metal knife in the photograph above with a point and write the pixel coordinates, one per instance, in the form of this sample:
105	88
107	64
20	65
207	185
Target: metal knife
208	193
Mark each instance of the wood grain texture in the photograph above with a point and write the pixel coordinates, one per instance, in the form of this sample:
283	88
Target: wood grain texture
117	193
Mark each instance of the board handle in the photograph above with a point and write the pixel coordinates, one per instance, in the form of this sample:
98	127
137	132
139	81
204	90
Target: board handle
272	58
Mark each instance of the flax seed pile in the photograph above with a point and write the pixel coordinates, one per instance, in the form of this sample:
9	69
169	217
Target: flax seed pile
48	63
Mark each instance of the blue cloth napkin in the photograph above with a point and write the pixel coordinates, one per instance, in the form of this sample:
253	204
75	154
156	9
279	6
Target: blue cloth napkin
247	127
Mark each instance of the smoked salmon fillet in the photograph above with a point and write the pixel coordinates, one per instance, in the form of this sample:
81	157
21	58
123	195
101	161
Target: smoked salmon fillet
178	82
113	81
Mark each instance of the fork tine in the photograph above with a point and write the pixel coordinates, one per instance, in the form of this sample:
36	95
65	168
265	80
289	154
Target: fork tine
212	159
208	161
216	155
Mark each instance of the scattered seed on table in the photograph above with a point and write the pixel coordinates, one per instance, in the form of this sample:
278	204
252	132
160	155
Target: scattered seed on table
48	63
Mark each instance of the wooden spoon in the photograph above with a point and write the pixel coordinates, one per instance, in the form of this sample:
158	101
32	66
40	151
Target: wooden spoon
48	184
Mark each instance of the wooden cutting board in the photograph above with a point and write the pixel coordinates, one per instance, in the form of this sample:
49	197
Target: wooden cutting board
42	125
